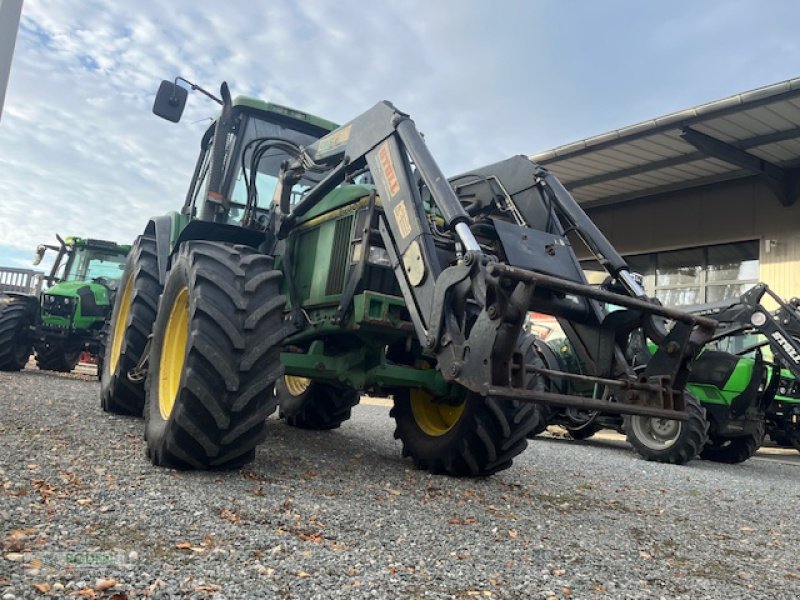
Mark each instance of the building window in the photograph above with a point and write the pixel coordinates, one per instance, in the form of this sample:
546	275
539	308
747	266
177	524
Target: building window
699	275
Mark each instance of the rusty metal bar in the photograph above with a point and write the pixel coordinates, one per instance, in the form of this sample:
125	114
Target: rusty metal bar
619	383
534	396
581	289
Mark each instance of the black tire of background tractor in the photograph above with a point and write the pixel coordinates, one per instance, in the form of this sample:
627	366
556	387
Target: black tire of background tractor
15	348
225	377
54	357
583	433
118	394
733	450
543	422
321	406
687	445
486	437
781	440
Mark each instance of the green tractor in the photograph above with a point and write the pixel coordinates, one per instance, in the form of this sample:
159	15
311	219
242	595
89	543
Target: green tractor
783	415
310	263
67	318
743	393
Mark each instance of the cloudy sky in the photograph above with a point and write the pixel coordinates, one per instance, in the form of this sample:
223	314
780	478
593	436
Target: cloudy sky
81	153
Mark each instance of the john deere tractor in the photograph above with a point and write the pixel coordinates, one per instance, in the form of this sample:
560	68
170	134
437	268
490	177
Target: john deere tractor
69	316
336	260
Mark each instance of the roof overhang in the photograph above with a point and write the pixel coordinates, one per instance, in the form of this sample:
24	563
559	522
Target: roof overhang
755	133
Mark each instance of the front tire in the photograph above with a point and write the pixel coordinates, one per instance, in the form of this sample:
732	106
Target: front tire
214	357
15	346
56	357
309	404
475	437
131	321
666	440
733	450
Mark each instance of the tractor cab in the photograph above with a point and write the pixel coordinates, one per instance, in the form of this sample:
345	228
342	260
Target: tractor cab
235	184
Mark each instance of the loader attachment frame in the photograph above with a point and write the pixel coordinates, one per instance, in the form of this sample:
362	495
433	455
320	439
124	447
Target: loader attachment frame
469	313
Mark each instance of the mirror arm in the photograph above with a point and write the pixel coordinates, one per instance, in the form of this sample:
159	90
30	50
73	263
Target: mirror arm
197	88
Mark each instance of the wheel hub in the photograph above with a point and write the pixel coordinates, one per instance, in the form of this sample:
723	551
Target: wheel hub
119	326
173	353
656	433
295	385
434	418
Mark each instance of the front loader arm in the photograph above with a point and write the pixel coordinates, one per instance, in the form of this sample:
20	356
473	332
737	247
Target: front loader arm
747	314
386	141
468	314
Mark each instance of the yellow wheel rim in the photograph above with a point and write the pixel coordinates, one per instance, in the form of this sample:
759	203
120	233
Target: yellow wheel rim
173	353
119	327
296	385
434	418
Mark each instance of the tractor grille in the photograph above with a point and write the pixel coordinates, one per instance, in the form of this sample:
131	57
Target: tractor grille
58	306
339	256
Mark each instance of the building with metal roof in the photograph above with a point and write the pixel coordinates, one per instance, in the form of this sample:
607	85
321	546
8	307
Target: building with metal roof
703	201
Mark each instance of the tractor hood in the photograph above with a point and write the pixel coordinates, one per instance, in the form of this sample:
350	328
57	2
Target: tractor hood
79	289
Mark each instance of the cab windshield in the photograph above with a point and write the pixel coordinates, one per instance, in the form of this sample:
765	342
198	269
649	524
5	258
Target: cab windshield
255	139
87	264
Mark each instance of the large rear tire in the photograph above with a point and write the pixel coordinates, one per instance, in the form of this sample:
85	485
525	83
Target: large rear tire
309	404
214	357
15	345
131	321
56	357
733	450
666	440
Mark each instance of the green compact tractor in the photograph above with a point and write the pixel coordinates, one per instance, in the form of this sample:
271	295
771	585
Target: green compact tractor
68	318
735	389
310	263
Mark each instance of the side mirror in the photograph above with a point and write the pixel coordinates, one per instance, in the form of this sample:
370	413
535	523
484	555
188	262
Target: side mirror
37	257
170	101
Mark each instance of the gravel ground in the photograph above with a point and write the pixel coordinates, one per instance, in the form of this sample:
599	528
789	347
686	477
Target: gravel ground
340	514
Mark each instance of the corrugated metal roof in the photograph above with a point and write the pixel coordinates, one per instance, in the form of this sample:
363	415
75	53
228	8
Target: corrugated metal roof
652	157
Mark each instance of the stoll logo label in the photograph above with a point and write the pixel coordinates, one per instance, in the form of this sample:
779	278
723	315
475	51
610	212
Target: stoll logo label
776	335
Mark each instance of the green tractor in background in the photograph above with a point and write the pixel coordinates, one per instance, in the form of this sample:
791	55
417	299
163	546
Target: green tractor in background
783	415
738	379
69	316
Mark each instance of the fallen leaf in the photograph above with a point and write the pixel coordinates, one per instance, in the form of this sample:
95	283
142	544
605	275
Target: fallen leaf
746	529
791	576
101	585
22	532
645	555
229	515
513	534
183	546
316	538
84	501
84	593
42	588
303	574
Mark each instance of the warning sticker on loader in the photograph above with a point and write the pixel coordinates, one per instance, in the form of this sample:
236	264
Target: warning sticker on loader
403	222
333	140
389	174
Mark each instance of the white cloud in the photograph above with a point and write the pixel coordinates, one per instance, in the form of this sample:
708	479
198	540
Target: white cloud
81	153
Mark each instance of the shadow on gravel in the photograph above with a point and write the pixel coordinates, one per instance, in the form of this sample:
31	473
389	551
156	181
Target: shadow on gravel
607	445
